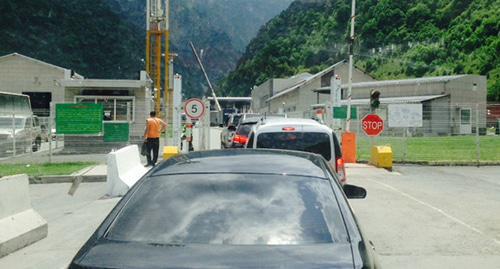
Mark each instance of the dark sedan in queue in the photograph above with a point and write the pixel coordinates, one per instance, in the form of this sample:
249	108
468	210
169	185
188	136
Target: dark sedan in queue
233	209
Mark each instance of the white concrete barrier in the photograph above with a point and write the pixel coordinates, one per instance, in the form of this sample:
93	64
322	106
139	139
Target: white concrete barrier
20	225
124	170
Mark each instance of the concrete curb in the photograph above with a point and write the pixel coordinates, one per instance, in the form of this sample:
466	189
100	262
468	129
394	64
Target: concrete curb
444	163
69	178
66	179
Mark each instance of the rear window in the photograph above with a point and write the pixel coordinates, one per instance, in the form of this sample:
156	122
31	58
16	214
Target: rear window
231	209
236	120
244	129
318	143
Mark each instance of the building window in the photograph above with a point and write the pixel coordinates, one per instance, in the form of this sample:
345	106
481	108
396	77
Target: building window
116	108
426	111
40	103
465	116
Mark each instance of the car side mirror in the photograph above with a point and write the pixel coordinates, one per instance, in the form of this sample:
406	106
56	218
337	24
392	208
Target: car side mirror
354	192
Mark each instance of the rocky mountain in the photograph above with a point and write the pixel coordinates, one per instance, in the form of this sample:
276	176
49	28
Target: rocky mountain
394	39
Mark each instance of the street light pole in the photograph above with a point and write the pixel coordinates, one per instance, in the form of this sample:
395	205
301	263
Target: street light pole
351	52
349	139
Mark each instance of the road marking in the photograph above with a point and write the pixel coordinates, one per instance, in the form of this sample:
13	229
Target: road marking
468	226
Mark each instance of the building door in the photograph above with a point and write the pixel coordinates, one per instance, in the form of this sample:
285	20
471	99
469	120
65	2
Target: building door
465	121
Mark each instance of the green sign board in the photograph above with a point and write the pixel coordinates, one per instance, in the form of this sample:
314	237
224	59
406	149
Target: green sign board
341	112
79	119
116	132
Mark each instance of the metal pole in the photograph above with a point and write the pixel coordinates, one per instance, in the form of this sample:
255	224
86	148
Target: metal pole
50	139
158	72
207	124
14	135
405	141
351	49
167	103
148	38
206	77
30	137
478	146
148	15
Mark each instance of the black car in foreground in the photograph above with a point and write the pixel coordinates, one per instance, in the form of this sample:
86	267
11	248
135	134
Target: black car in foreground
233	209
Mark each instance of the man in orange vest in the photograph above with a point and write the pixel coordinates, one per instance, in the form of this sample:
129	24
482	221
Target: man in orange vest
154	127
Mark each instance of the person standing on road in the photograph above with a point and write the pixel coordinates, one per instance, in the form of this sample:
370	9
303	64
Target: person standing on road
154	127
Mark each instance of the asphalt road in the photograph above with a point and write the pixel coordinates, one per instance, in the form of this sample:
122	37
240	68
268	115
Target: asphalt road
417	217
431	217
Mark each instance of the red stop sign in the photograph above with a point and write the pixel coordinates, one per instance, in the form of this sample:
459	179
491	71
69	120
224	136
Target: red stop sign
372	125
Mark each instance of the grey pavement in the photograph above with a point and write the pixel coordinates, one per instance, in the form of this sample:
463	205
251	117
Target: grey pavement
72	219
431	217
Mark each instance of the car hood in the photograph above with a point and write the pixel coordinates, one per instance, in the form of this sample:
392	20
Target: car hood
135	255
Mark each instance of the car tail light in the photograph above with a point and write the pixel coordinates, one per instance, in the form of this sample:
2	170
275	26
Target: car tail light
340	169
240	139
288	129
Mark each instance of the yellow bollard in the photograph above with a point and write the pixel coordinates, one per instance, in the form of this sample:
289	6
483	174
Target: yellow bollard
382	157
169	152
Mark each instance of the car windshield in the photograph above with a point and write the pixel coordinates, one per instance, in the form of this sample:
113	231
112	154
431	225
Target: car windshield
231	209
318	143
6	123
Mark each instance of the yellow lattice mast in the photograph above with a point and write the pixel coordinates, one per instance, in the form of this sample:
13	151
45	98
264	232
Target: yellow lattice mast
157	37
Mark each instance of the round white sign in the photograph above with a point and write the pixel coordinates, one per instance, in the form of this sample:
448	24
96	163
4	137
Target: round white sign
194	108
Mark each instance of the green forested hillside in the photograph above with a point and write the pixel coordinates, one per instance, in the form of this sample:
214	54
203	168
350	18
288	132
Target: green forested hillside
106	38
86	36
395	39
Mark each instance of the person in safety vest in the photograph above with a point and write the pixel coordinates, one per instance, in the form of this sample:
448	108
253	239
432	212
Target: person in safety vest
154	127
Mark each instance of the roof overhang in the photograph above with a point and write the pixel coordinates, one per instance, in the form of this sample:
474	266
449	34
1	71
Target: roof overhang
388	83
103	83
396	100
232	99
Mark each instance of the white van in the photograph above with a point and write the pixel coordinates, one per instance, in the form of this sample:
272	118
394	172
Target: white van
301	135
25	129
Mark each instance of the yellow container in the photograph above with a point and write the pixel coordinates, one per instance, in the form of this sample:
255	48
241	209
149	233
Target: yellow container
169	152
382	157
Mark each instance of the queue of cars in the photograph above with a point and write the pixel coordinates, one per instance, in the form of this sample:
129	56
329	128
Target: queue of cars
234	120
280	203
274	132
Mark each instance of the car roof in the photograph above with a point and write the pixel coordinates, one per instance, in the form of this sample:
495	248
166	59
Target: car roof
248	161
273	122
250	120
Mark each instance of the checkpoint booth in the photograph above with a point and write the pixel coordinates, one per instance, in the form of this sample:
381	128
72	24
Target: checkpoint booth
116	108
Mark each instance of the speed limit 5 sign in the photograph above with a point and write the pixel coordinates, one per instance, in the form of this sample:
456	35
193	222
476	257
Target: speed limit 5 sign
194	108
